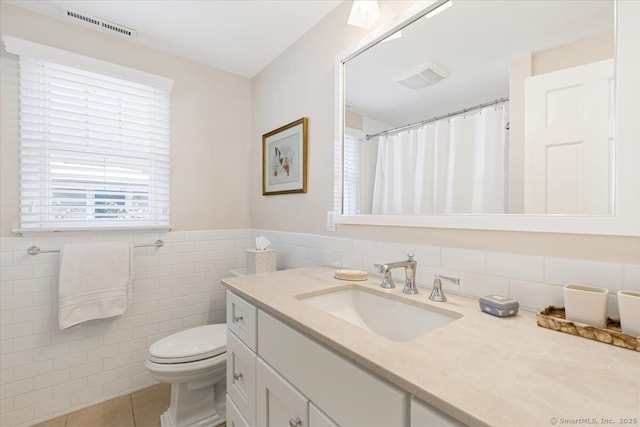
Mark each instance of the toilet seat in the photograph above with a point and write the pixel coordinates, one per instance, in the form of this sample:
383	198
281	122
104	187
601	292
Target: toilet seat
191	345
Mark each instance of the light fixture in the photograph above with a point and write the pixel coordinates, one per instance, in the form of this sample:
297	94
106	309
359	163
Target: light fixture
364	13
444	6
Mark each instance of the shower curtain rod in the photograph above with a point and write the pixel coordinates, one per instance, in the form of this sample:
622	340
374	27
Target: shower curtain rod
444	116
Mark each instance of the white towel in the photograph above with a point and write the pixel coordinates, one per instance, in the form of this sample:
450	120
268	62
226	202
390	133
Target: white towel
94	281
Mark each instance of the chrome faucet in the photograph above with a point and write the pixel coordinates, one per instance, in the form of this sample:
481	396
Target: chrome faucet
410	267
437	294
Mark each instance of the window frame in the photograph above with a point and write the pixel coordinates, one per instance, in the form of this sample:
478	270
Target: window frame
154	221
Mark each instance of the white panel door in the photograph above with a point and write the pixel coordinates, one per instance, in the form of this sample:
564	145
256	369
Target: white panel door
279	404
569	141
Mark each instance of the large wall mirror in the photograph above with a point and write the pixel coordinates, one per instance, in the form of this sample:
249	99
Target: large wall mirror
482	108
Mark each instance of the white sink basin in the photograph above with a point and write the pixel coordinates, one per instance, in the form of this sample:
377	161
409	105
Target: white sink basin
380	314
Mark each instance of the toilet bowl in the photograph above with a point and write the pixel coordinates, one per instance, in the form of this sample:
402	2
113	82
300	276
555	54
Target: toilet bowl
193	361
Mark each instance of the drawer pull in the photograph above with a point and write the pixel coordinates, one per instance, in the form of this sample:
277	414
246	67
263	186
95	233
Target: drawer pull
237	376
237	319
295	422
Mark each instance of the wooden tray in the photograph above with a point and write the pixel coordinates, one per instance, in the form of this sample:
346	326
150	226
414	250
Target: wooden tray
554	318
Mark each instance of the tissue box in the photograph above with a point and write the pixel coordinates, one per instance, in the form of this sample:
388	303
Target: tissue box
260	261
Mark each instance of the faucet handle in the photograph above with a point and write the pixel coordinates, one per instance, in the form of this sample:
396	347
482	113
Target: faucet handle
410	256
387	281
437	294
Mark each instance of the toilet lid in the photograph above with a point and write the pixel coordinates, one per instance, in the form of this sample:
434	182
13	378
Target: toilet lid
190	345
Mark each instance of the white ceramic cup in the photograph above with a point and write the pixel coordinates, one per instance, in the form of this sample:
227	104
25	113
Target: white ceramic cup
586	304
629	306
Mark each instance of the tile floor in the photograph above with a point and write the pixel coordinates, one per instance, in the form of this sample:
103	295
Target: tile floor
141	408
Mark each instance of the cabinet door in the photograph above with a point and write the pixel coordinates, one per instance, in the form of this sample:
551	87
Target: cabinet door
317	418
241	377
279	404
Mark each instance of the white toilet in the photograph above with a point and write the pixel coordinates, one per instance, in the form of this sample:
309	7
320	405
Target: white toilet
193	361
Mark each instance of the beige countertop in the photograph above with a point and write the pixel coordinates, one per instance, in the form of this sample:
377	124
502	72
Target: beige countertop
480	369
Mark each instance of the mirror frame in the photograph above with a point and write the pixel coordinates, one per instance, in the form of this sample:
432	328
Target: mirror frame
625	220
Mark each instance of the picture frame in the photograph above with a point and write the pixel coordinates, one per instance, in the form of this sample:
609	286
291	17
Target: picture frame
284	159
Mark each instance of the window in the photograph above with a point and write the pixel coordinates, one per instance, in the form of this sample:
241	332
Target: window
351	174
94	142
359	171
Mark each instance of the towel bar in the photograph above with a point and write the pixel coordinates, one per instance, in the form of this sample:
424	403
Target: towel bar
34	250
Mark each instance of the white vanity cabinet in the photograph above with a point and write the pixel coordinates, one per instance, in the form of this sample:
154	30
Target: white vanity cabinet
242	329
284	378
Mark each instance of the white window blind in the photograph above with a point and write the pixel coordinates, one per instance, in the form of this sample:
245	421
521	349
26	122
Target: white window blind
351	175
94	143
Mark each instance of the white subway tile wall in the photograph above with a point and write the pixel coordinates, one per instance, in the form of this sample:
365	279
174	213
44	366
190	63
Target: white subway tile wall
46	372
535	280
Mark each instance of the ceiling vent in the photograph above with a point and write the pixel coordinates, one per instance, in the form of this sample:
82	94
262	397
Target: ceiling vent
421	76
100	24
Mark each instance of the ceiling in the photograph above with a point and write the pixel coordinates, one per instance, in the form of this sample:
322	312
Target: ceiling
244	36
241	37
475	42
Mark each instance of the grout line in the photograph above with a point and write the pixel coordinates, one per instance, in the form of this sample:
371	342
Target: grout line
133	413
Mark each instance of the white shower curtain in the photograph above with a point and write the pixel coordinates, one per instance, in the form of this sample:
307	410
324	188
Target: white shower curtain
454	165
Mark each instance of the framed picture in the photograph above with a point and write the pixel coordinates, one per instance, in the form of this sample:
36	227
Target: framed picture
284	159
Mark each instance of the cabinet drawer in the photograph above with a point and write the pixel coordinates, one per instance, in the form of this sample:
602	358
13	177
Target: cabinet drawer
347	393
241	377
242	320
234	417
